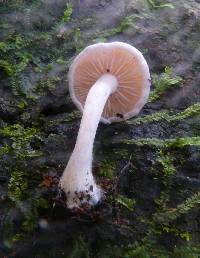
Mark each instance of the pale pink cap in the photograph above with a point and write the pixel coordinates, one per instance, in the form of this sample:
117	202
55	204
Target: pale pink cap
123	61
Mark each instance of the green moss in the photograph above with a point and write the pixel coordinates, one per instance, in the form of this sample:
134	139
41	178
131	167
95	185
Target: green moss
125	202
101	36
45	85
181	209
137	251
163	200
187	251
30	221
5	149
167	143
146	250
60	61
80	248
8	233
167	163
67	13
21	138
78	40
73	115
149	250
125	23
188	112
22	104
164	220
14	58
172	229
167	115
165	170
41	203
4	47
155	117
48	68
32	214
121	153
163	82
17	237
181	142
17	186
69	118
155	4
18	131
7	67
37	70
107	168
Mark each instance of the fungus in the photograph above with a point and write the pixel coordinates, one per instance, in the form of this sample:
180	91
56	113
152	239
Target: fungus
108	82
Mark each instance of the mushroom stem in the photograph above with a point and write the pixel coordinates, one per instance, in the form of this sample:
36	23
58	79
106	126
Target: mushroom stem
77	180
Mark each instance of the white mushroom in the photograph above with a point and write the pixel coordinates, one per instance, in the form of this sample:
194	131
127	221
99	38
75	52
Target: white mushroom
108	82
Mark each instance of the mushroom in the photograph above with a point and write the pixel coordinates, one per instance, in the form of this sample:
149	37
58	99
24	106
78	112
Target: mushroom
108	82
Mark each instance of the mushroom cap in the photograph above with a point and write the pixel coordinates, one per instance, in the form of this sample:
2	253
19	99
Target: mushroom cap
123	61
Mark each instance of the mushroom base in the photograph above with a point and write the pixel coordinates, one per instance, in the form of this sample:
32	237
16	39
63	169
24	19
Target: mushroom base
76	197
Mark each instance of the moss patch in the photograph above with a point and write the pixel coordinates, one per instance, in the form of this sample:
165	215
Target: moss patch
155	4
67	13
107	168
17	186
168	143
163	82
21	141
191	111
125	202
